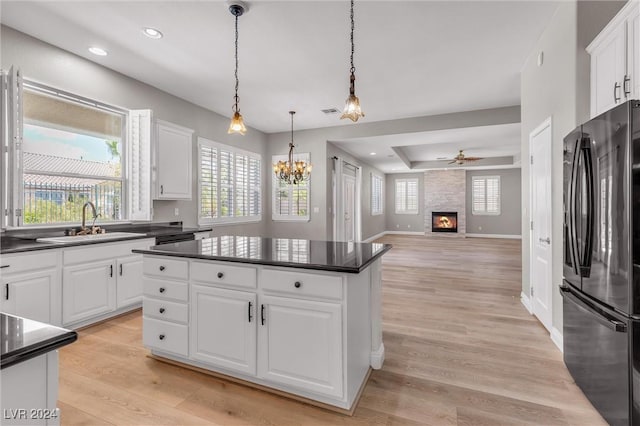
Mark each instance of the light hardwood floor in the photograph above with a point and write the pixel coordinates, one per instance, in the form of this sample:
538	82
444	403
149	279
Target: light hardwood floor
460	349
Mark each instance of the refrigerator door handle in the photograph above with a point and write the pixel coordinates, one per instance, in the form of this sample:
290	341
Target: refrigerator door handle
608	321
587	255
573	234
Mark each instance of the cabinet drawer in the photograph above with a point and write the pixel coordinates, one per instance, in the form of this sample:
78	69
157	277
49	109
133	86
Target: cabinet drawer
302	284
166	267
223	273
165	336
164	289
22	262
165	310
104	250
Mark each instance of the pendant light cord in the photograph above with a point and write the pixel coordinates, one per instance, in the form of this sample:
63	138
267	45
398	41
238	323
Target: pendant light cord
235	107
353	68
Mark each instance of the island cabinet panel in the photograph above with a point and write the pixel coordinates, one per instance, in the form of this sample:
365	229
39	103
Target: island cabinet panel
223	328
166	268
224	274
166	289
165	310
88	290
166	336
301	344
302	284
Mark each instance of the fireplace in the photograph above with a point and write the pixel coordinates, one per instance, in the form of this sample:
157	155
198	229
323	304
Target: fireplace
444	221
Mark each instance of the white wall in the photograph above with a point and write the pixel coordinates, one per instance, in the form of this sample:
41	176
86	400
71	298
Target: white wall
58	68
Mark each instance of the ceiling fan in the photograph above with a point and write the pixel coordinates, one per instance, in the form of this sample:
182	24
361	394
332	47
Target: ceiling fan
461	159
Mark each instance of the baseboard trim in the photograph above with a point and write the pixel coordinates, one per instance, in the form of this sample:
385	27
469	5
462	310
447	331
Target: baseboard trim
507	236
526	301
375	237
404	233
377	357
556	337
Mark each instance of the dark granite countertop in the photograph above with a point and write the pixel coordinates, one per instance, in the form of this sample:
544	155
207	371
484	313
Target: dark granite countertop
23	240
23	339
307	254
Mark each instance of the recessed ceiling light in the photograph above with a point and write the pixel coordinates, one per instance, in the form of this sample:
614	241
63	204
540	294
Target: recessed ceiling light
151	32
372	153
98	51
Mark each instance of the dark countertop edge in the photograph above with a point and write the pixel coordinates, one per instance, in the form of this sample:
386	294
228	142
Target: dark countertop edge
37	349
313	266
34	246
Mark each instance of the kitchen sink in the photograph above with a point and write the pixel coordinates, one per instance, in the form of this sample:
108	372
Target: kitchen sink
90	237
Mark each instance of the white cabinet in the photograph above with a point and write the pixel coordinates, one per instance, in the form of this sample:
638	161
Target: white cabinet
301	344
101	280
615	54
173	154
223	328
88	290
31	285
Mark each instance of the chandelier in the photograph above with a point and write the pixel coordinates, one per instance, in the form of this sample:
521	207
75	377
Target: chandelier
237	122
290	171
352	108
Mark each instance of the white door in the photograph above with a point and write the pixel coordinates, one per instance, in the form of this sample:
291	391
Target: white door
223	328
29	295
129	281
540	256
608	70
88	290
301	344
349	191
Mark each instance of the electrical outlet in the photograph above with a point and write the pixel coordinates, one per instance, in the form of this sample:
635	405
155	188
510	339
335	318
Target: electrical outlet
316	209
176	212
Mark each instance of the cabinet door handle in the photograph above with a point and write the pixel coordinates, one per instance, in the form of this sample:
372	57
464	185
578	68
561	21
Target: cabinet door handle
161	189
627	92
161	289
121	269
111	271
616	87
262	314
297	284
161	337
220	275
249	311
162	310
6	291
161	268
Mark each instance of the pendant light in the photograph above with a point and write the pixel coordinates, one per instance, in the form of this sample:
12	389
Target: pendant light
352	108
292	172
237	122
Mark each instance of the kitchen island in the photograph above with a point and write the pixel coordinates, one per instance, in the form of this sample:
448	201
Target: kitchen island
298	317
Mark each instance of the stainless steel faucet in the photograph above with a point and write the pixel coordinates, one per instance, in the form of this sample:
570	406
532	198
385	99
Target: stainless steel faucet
84	214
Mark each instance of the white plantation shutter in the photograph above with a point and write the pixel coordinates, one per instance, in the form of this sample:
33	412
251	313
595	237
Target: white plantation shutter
407	196
139	164
230	183
377	194
485	195
290	202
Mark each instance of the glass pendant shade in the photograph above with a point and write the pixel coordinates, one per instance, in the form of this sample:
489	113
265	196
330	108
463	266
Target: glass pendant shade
237	124
352	108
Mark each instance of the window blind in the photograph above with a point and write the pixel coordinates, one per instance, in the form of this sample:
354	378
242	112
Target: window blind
485	195
377	194
406	196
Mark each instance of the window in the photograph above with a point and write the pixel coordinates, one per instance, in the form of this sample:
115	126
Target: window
406	196
485	195
229	184
377	194
290	202
69	150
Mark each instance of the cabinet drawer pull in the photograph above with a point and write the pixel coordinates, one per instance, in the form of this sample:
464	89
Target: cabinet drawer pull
297	284
616	87
111	270
627	92
121	269
220	275
161	189
162	267
249	311
6	290
161	337
161	289
162	310
262	314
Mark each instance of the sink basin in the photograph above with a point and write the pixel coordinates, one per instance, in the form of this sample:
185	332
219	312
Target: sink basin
93	237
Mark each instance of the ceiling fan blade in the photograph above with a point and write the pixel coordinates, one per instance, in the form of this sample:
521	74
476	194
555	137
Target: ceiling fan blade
473	158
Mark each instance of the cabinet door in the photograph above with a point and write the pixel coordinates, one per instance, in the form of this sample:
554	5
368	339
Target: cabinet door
223	328
608	65
174	152
29	295
633	54
300	344
88	290
129	281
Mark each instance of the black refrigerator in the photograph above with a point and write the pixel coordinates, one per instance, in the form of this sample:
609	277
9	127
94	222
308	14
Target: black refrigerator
601	271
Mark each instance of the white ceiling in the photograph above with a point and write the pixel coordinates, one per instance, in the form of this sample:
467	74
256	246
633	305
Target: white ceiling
413	58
